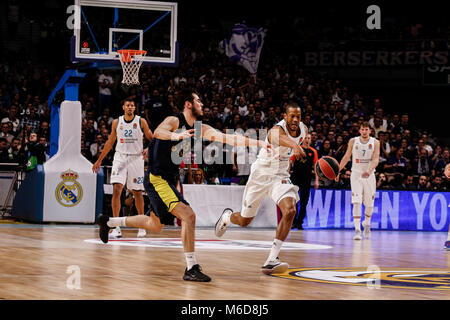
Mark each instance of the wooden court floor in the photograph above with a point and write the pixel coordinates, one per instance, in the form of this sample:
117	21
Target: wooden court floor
68	262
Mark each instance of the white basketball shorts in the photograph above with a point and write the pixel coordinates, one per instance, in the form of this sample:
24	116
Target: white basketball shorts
363	189
262	183
128	170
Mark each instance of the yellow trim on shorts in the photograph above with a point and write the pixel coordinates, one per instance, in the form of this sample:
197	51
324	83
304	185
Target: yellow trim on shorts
164	191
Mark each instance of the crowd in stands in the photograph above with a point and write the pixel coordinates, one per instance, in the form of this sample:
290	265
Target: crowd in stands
410	157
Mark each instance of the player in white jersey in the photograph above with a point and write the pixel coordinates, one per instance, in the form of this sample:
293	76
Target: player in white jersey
365	153
128	163
269	177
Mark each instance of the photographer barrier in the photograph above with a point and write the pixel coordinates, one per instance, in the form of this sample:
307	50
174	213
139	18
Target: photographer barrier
10	175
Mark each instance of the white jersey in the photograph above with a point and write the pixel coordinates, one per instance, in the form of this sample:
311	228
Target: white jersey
129	136
362	154
278	158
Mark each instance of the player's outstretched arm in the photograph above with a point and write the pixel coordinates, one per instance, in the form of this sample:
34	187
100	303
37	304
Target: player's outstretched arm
212	134
108	146
166	130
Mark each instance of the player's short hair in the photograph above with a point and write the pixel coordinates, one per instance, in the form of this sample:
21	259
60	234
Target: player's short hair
364	124
186	94
291	104
129	99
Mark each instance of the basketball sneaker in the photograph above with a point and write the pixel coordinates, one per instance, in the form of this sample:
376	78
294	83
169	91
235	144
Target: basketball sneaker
103	232
141	233
447	245
357	235
222	223
366	231
275	266
116	233
195	274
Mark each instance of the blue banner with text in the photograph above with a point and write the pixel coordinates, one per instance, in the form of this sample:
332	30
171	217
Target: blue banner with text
393	210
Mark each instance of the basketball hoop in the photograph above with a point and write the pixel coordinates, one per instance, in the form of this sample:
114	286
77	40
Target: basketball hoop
131	61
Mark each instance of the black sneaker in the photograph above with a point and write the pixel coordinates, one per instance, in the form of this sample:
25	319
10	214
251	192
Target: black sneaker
275	266
103	232
195	274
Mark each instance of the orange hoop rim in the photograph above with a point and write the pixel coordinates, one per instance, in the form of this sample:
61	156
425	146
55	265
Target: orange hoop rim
127	54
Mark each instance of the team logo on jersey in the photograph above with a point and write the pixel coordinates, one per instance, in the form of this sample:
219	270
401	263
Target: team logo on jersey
356	147
404	278
121	128
121	140
134	125
370	146
69	191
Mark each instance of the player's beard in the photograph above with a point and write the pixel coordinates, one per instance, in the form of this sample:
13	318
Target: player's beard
195	113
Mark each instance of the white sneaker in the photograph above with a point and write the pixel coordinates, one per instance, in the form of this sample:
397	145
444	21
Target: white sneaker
141	233
222	223
357	235
275	266
366	231
116	233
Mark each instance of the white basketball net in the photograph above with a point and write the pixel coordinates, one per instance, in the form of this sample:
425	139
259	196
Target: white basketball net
131	61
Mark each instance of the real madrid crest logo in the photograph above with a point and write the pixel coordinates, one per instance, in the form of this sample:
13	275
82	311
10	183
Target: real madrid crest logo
69	192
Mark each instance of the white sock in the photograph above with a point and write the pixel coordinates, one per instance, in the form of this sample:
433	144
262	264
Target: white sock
357	222
227	218
190	259
368	214
357	216
275	250
116	222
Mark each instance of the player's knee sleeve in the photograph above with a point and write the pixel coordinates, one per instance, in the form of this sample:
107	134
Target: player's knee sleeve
357	210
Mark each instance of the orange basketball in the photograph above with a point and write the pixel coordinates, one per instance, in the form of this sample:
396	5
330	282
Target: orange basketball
327	168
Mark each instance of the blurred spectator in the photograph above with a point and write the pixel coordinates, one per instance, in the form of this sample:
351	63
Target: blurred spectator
12	117
440	162
378	125
423	163
438	184
31	120
382	182
5	132
4	155
14	150
94	148
35	150
409	183
105	86
156	110
396	163
344	180
46	146
423	184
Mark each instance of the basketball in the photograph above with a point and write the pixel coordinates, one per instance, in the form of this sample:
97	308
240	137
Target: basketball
327	168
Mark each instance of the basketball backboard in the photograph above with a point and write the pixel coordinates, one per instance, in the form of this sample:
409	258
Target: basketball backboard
104	26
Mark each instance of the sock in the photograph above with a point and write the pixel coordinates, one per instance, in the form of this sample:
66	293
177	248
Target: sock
116	222
357	216
275	250
190	259
227	218
368	214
